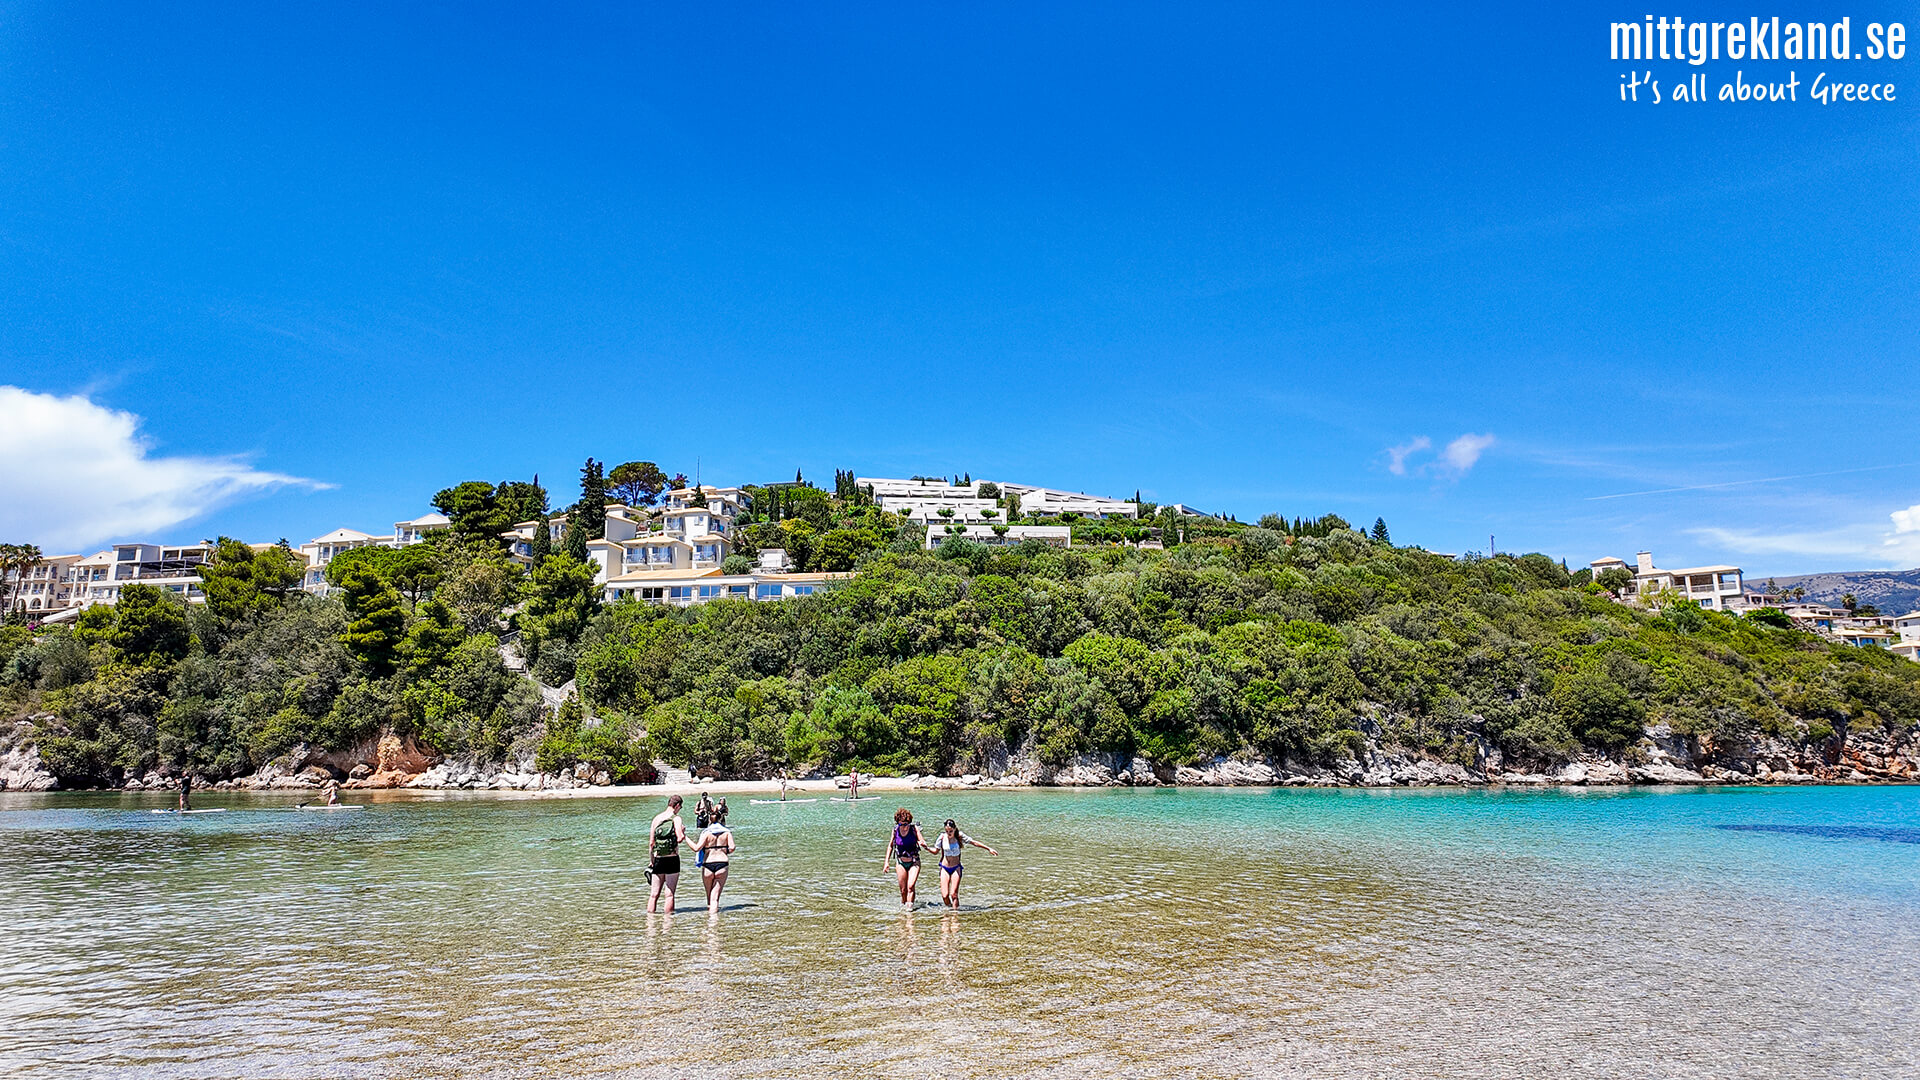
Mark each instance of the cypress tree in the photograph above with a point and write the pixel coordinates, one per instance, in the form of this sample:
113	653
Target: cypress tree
592	509
542	541
577	537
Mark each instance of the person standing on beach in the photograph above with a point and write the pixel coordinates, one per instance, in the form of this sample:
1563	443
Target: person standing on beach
904	849
667	832
717	846
949	844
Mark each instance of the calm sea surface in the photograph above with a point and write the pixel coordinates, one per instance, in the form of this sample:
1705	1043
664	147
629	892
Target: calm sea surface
1673	933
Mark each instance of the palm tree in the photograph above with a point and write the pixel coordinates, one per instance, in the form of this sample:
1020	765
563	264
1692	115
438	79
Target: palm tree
16	561
1848	601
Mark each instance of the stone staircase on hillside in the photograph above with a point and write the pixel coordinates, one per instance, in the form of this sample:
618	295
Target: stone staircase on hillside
670	775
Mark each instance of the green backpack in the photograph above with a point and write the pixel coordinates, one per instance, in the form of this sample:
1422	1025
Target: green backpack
665	842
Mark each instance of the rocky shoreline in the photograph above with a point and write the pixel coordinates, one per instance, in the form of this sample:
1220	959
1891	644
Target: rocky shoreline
392	762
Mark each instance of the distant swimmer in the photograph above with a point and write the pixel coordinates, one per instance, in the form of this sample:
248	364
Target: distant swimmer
950	843
716	849
667	833
904	849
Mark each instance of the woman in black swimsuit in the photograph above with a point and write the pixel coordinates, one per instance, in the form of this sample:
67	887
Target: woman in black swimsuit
717	847
904	848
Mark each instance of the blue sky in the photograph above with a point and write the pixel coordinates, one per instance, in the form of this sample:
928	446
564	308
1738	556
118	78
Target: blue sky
267	270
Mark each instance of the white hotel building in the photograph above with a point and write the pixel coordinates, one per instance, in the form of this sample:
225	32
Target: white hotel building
959	510
1907	629
61	585
1716	587
678	555
322	550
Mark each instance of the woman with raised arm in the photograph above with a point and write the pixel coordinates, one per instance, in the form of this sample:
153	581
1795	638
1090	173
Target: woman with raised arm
949	844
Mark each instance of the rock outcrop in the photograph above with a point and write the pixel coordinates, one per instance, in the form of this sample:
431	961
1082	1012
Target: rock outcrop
1661	758
22	770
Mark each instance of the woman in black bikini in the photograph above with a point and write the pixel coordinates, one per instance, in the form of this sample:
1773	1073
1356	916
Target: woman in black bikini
949	844
904	848
717	846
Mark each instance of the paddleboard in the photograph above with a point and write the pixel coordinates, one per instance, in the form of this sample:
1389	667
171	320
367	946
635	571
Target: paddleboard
777	802
863	798
212	810
343	806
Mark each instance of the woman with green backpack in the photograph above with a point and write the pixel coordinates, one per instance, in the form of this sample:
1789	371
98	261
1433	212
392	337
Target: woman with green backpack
668	832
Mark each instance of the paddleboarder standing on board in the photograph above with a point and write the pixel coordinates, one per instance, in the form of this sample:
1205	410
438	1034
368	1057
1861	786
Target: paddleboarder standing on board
186	791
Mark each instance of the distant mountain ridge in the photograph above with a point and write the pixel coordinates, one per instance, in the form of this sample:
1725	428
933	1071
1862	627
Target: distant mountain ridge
1894	592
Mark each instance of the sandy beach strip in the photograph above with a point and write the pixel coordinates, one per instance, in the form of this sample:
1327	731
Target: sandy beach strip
764	789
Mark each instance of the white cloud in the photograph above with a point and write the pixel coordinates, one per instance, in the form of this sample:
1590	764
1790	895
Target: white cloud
1858	547
1462	453
1397	455
75	474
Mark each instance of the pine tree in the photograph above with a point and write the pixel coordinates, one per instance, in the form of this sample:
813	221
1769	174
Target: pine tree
1380	530
542	542
376	620
797	478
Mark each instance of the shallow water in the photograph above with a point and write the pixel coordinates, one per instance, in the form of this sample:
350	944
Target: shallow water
1179	933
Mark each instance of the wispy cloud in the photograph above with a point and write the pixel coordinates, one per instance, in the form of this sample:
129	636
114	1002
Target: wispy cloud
1397	455
1464	452
1756	480
1453	460
1864	546
73	473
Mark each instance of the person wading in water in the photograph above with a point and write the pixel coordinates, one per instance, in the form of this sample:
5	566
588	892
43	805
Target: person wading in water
950	843
717	847
667	833
904	848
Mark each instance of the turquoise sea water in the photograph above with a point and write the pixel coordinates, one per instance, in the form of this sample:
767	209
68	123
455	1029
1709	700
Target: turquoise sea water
1646	932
